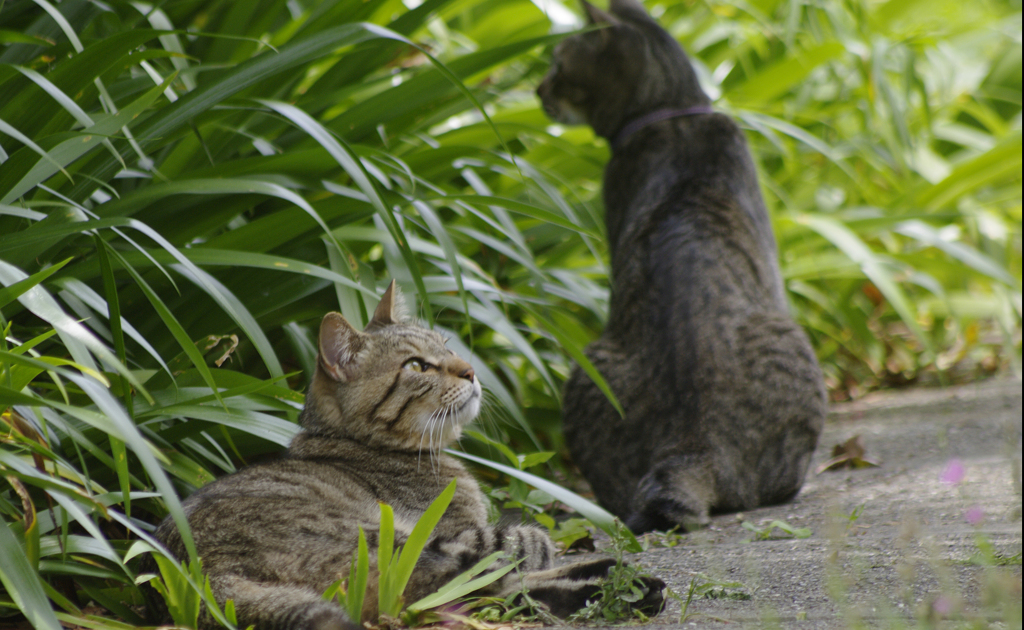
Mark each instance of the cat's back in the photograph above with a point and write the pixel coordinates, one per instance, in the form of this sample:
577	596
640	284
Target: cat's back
691	178
689	235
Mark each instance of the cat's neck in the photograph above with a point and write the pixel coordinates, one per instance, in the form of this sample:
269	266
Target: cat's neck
665	113
310	445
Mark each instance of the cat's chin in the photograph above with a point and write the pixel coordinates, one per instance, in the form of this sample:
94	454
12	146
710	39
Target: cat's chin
471	407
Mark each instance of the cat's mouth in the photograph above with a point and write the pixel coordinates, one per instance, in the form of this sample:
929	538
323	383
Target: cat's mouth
562	111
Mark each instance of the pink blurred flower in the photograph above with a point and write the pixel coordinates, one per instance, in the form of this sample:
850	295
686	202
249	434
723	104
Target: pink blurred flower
942	605
953	473
975	515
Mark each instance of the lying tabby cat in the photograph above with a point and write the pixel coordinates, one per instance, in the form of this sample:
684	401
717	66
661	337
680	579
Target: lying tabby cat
274	536
722	392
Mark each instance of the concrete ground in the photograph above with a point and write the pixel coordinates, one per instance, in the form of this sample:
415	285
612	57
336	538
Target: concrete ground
890	546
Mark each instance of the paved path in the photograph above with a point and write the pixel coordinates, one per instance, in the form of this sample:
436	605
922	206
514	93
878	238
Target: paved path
908	555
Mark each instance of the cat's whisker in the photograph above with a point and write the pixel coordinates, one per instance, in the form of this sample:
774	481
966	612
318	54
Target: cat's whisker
423	435
437	422
441	430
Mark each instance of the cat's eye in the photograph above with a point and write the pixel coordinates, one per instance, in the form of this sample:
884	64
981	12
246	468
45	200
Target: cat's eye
417	365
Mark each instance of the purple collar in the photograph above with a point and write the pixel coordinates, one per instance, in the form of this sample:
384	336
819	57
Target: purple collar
657	115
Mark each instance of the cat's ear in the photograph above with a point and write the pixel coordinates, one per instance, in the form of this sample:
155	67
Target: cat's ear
597	16
390	309
340	345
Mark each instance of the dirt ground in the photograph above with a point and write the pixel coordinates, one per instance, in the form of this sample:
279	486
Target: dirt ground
929	538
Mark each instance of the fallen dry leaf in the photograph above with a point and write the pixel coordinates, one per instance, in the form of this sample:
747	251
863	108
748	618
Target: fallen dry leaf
849	454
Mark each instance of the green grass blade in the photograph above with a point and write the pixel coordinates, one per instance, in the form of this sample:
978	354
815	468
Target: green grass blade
10	293
1001	162
70	150
386	595
357	580
576	352
21	581
20	137
262	425
776	79
238	312
966	254
525	209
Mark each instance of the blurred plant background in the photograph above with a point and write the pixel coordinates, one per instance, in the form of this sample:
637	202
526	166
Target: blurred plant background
187	186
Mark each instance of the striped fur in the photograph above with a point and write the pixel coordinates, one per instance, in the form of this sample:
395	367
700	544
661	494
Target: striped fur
723	396
381	406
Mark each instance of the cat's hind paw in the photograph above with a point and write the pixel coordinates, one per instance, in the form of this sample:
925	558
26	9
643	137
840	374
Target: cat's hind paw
653	601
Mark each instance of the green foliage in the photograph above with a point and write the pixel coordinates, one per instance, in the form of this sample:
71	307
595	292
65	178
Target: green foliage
187	187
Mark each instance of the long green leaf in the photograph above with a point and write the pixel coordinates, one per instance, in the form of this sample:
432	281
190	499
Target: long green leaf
22	582
595	514
358	575
463	584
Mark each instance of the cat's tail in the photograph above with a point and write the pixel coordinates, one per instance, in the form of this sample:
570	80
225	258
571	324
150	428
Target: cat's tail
678	491
270	606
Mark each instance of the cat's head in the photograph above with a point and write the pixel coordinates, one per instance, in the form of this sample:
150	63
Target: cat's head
607	77
393	385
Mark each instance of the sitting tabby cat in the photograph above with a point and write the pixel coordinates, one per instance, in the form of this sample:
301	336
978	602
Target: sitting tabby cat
274	536
722	392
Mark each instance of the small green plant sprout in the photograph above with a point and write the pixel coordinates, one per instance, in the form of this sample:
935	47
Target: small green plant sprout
671	538
855	514
703	587
767	533
849	521
622	588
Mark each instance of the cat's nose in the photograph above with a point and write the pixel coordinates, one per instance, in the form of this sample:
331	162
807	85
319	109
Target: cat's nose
467	374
